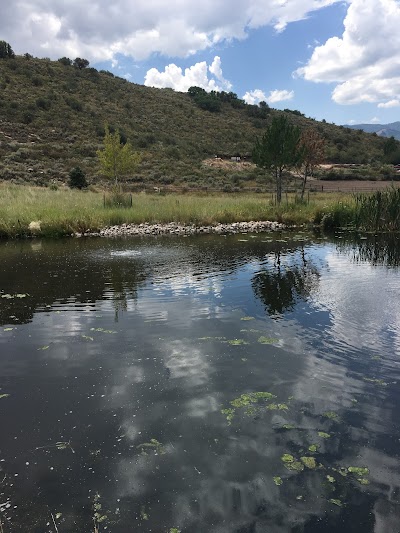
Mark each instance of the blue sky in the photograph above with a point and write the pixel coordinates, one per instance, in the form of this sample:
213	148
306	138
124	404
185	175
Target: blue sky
330	59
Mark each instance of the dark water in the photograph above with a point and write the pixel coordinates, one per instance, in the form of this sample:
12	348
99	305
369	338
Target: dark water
119	360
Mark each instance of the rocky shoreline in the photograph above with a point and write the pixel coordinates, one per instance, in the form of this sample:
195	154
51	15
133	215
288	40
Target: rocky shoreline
173	228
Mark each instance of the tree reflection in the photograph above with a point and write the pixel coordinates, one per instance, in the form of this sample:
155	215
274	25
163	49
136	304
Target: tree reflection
375	249
286	279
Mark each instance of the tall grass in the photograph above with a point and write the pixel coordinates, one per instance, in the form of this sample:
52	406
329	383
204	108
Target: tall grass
379	211
26	211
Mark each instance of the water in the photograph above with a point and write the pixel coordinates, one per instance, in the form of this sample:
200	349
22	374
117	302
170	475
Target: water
119	360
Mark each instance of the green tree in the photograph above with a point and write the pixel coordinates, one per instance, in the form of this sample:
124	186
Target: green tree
77	179
278	150
80	63
116	159
5	50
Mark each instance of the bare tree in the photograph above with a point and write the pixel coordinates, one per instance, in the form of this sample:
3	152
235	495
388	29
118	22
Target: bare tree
312	148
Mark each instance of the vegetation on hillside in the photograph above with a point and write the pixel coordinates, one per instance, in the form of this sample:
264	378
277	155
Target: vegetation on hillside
53	115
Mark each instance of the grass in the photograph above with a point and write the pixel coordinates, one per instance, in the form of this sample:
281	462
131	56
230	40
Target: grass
27	211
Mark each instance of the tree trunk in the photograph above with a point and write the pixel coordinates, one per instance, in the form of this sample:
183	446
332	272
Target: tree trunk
303	187
278	177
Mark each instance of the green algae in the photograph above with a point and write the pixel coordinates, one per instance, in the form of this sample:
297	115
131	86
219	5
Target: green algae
277	407
313	448
331	415
4	396
278	481
153	445
358	470
376	381
363	481
309	462
323	435
246	318
267	340
330	479
237	342
336	502
288	426
287	458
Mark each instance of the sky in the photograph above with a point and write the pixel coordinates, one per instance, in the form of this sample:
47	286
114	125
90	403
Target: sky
330	59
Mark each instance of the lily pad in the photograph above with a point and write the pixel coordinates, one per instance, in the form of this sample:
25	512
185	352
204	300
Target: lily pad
287	458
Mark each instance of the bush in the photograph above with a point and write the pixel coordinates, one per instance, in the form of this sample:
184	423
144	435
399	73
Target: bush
77	179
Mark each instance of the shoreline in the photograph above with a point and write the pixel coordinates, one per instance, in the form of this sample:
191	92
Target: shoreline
172	228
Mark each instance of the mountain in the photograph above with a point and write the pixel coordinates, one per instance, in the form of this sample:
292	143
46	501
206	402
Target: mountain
383	130
52	117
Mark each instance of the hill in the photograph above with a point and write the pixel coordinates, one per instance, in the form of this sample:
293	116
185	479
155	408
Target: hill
383	130
52	117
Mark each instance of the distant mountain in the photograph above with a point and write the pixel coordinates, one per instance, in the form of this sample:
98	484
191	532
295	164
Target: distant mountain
383	130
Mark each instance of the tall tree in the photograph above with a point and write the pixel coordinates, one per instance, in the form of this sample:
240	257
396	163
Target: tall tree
312	149
80	63
278	150
116	159
5	50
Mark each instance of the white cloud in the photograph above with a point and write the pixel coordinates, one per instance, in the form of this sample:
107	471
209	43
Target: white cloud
375	120
257	96
99	29
196	75
279	96
364	60
254	97
390	103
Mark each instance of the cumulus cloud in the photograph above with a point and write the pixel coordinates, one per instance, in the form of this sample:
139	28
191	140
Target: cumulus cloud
364	60
196	75
391	103
257	96
99	29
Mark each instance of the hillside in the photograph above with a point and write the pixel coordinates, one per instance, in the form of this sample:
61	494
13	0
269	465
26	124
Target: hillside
383	130
52	119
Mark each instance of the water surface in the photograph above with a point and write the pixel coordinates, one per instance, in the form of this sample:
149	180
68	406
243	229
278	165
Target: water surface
235	384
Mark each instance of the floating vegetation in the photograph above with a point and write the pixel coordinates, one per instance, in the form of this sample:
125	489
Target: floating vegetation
211	338
4	396
44	347
8	329
297	466
153	445
360	471
288	426
247	318
102	330
309	462
323	435
250	331
174	530
278	407
331	415
237	342
143	514
376	381
267	340
313	448
229	413
12	296
336	502
246	400
331	479
287	458
278	481
87	337
363	481
98	516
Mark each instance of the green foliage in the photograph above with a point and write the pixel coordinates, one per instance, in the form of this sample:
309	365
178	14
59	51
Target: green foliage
6	52
66	61
77	179
278	149
80	63
116	159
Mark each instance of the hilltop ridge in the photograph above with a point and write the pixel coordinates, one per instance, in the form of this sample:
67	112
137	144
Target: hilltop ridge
52	118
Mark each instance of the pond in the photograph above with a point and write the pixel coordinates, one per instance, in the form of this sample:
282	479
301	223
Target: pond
227	384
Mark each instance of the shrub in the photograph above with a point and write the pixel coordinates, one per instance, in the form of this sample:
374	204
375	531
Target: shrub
77	178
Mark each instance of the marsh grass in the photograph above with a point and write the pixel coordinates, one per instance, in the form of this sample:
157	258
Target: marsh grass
29	211
379	211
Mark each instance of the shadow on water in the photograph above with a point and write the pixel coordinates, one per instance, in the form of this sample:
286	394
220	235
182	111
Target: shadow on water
147	385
